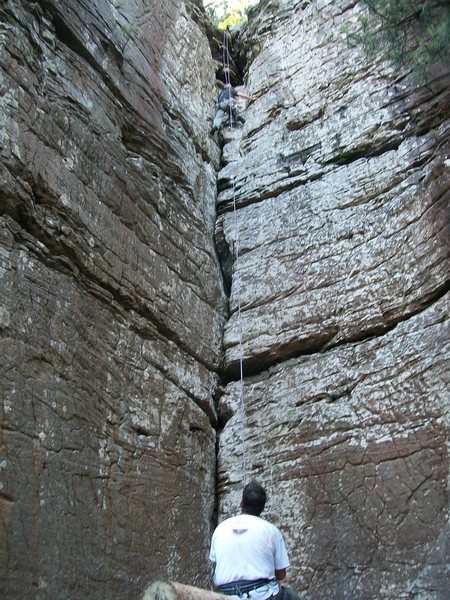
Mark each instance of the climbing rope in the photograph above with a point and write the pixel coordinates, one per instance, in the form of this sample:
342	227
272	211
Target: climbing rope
227	69
226	65
241	353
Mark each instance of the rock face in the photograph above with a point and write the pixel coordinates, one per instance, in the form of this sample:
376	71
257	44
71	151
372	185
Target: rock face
341	181
116	341
112	307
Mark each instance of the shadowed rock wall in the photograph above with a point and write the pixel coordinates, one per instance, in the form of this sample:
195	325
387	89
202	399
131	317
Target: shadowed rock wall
341	178
112	309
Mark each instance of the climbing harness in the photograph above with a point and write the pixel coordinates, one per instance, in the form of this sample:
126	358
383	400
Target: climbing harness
226	63
242	588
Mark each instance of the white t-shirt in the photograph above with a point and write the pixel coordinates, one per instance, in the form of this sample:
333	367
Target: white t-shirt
246	547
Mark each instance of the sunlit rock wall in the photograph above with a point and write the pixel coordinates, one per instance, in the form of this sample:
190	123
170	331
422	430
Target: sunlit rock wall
111	306
341	179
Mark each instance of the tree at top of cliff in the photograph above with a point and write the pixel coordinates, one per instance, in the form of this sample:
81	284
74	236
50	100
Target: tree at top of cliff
226	13
415	32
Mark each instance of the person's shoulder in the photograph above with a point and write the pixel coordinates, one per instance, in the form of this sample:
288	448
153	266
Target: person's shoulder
269	525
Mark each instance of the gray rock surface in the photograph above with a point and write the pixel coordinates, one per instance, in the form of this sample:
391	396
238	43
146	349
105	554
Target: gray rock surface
341	181
114	336
112	308
328	170
352	446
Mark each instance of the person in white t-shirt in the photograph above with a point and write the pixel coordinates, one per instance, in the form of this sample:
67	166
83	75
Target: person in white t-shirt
249	554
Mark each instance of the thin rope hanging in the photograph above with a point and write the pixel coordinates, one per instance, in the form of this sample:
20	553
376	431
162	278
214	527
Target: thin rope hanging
226	63
227	69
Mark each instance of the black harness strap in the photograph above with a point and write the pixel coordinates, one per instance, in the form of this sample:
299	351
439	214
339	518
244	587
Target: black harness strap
237	588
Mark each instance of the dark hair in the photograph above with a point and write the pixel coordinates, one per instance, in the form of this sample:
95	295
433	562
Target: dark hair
253	499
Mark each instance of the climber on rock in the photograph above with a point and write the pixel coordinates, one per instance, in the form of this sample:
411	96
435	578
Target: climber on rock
248	553
226	104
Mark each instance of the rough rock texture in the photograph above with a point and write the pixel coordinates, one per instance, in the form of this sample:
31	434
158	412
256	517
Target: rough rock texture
112	307
333	159
341	180
352	447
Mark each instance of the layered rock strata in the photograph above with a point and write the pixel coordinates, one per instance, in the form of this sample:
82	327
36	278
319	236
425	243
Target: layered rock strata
341	181
112	306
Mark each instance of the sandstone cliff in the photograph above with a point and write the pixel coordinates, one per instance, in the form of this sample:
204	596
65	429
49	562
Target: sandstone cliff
115	333
112	306
341	178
